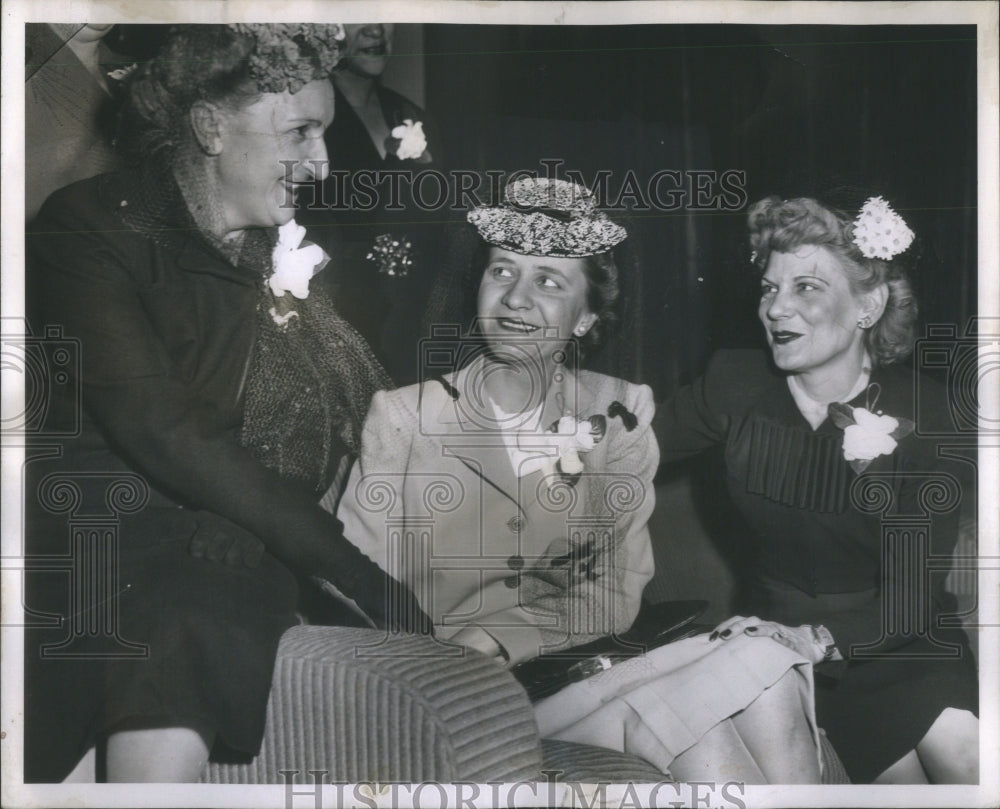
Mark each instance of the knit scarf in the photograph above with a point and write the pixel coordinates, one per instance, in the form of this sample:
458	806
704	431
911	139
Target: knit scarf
308	389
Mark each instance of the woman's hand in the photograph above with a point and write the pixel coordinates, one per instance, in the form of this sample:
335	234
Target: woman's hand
800	639
383	601
219	540
479	640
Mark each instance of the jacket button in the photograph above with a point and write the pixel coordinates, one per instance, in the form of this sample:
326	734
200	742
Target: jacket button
515	524
515	562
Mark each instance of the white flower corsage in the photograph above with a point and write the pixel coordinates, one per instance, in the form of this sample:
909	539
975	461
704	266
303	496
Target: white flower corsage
572	437
412	143
867	435
294	266
880	232
556	451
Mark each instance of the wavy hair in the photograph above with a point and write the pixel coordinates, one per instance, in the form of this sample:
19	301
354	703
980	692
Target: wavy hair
783	226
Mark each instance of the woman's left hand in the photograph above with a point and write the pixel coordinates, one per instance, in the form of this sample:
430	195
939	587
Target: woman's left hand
797	638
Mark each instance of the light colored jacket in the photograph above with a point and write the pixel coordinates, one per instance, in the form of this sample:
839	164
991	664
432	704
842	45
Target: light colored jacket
539	561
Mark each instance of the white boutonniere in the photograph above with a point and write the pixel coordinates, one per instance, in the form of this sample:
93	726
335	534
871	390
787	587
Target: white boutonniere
867	435
294	264
573	436
409	141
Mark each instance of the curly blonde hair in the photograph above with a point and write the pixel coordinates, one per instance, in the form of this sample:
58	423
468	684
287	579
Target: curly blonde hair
783	226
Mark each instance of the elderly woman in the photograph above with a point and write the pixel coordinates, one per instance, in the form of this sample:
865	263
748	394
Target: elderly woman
512	494
217	387
806	435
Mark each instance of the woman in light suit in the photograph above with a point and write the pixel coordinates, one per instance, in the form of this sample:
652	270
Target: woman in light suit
512	496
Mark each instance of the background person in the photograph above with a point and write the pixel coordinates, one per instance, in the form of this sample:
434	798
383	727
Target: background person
70	97
378	288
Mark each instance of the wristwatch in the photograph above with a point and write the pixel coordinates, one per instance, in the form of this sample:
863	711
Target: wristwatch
823	639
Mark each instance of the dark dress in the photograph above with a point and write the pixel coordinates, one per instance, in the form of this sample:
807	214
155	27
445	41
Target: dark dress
138	455
385	309
834	548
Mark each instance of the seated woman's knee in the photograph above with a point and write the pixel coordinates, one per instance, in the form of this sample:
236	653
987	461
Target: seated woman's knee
949	752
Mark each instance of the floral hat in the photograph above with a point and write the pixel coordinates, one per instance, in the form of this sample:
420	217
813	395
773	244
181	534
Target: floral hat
287	56
547	217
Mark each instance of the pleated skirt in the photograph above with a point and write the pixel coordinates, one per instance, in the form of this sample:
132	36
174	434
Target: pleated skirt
660	704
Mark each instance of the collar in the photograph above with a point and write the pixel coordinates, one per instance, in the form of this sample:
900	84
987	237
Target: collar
466	416
814	411
467	398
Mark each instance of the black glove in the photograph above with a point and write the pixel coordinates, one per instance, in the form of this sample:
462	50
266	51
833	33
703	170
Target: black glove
219	540
385	602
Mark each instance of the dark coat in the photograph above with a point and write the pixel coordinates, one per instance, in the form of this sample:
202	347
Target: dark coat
164	327
800	498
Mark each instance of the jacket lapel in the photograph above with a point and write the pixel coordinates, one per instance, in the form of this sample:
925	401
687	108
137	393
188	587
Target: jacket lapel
469	432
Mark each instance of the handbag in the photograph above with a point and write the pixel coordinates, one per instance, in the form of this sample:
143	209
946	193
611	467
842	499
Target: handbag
656	625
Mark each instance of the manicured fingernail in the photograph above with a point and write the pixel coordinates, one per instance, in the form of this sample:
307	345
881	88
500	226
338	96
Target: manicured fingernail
726	633
713	636
751	629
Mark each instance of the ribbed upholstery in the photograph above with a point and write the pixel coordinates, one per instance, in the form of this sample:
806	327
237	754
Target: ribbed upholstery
833	767
409	714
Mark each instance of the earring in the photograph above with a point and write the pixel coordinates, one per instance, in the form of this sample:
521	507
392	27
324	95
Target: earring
864	323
